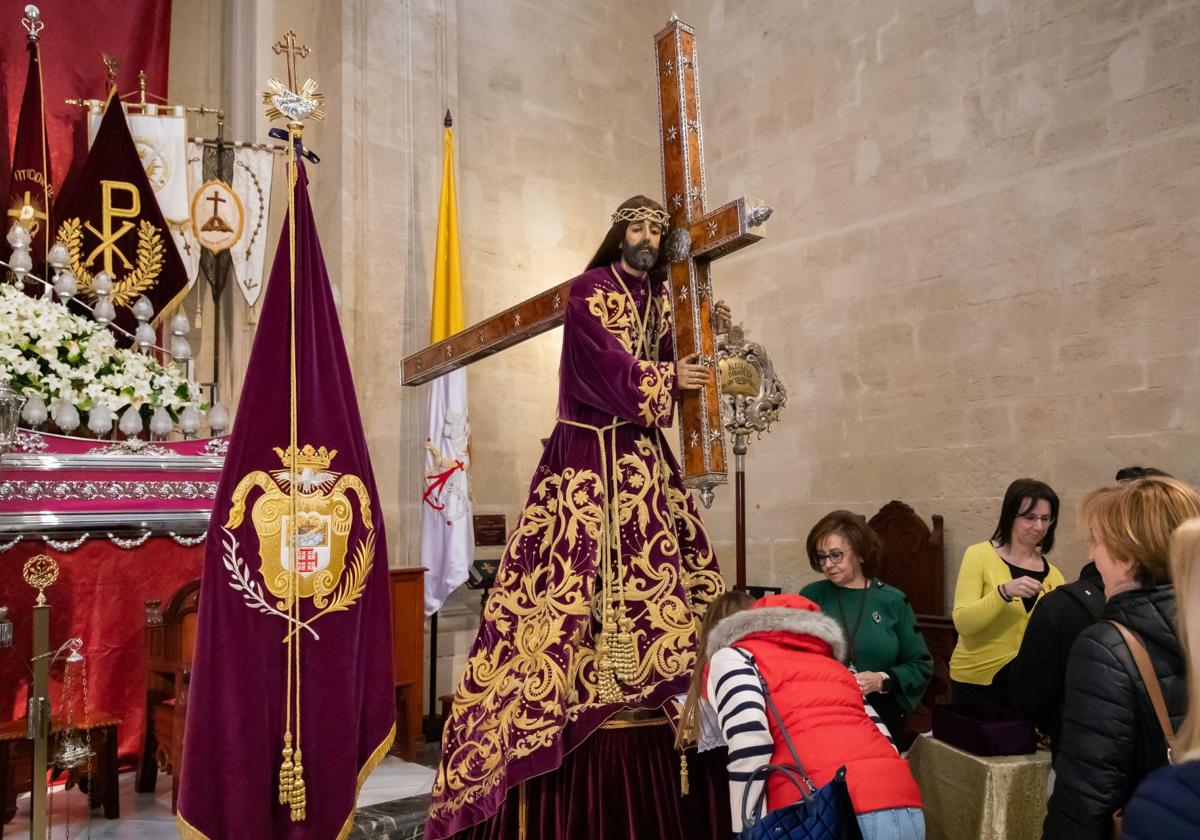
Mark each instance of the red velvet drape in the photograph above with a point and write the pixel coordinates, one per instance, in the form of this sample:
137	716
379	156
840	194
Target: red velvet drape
135	32
99	597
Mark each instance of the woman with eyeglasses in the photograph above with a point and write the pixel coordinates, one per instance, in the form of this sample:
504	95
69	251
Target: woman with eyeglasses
999	583
883	646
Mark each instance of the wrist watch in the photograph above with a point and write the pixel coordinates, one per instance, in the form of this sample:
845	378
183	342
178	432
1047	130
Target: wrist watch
885	684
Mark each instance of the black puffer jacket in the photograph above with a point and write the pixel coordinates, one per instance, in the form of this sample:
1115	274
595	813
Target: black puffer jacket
1110	736
1036	678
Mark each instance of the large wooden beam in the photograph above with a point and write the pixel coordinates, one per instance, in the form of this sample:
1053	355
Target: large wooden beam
697	237
531	317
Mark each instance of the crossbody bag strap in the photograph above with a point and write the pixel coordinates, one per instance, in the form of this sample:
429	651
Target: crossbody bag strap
787	739
1141	658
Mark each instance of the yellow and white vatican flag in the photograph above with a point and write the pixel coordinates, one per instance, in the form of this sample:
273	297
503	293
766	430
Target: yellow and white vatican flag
252	170
447	531
160	135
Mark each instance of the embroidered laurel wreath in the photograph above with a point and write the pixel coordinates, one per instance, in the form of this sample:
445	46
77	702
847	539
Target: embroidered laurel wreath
345	596
127	289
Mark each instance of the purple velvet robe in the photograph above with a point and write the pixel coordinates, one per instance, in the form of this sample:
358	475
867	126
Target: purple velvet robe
531	691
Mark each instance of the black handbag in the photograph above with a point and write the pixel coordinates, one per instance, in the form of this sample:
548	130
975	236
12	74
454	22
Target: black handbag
824	813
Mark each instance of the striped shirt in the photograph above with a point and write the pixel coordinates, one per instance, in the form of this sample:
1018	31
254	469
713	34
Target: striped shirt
734	690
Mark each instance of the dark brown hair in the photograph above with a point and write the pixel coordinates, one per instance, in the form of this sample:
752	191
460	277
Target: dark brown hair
853	528
721	607
1019	492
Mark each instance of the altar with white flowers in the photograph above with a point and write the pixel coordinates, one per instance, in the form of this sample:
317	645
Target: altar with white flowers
109	461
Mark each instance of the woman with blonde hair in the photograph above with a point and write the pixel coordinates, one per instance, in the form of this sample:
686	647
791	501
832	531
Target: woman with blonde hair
1111	736
1167	805
697	720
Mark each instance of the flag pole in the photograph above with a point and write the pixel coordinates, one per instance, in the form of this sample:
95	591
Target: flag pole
34	25
432	730
294	102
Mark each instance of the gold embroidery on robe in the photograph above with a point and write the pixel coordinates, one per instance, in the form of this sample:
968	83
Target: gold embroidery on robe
655	385
516	695
612	308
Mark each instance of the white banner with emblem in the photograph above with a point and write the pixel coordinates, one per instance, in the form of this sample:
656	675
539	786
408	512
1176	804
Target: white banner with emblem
191	249
252	170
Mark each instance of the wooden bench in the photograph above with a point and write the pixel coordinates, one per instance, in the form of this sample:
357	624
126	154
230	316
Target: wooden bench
98	779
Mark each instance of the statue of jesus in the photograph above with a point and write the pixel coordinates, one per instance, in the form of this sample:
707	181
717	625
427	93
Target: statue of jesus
592	621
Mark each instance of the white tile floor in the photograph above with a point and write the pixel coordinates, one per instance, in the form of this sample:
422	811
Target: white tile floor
148	817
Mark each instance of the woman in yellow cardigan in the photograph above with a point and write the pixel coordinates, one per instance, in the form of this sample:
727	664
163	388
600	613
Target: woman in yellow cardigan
999	583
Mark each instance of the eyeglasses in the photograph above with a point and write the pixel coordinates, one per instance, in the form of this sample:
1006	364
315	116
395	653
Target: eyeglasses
1033	518
834	557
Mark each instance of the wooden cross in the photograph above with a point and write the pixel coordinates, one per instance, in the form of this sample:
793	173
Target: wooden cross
287	44
216	200
696	237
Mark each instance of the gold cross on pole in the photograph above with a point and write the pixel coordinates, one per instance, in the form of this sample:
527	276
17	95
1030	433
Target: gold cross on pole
288	45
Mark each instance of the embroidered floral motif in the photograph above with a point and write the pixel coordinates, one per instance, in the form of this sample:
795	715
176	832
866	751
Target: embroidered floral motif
655	385
532	669
666	314
613	308
608	528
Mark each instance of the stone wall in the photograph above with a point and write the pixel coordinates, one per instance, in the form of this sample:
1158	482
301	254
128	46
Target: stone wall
555	122
980	264
982	260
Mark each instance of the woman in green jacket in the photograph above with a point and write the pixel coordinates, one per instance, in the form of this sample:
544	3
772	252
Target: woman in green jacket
883	646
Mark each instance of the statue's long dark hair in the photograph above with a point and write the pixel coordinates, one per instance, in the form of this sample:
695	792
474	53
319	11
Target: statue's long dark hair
610	249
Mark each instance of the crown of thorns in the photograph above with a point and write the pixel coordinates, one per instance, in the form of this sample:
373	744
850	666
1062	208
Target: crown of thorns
641	214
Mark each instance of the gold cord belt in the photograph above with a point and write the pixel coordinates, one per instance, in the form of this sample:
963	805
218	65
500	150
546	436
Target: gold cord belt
616	658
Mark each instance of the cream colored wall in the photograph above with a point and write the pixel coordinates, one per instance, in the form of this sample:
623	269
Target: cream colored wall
539	170
554	132
980	265
982	261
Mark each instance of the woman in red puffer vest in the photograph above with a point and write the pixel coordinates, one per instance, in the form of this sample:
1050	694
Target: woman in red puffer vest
798	650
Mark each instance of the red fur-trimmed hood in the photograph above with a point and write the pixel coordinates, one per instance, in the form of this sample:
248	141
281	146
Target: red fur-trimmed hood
786	614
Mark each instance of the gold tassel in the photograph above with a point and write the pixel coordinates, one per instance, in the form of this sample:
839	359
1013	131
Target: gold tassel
286	774
299	797
624	650
606	682
684	788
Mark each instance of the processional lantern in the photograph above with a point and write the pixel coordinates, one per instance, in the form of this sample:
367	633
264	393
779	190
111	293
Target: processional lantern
751	398
40	572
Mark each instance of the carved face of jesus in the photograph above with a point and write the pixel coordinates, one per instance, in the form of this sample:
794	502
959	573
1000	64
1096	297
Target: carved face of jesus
640	248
